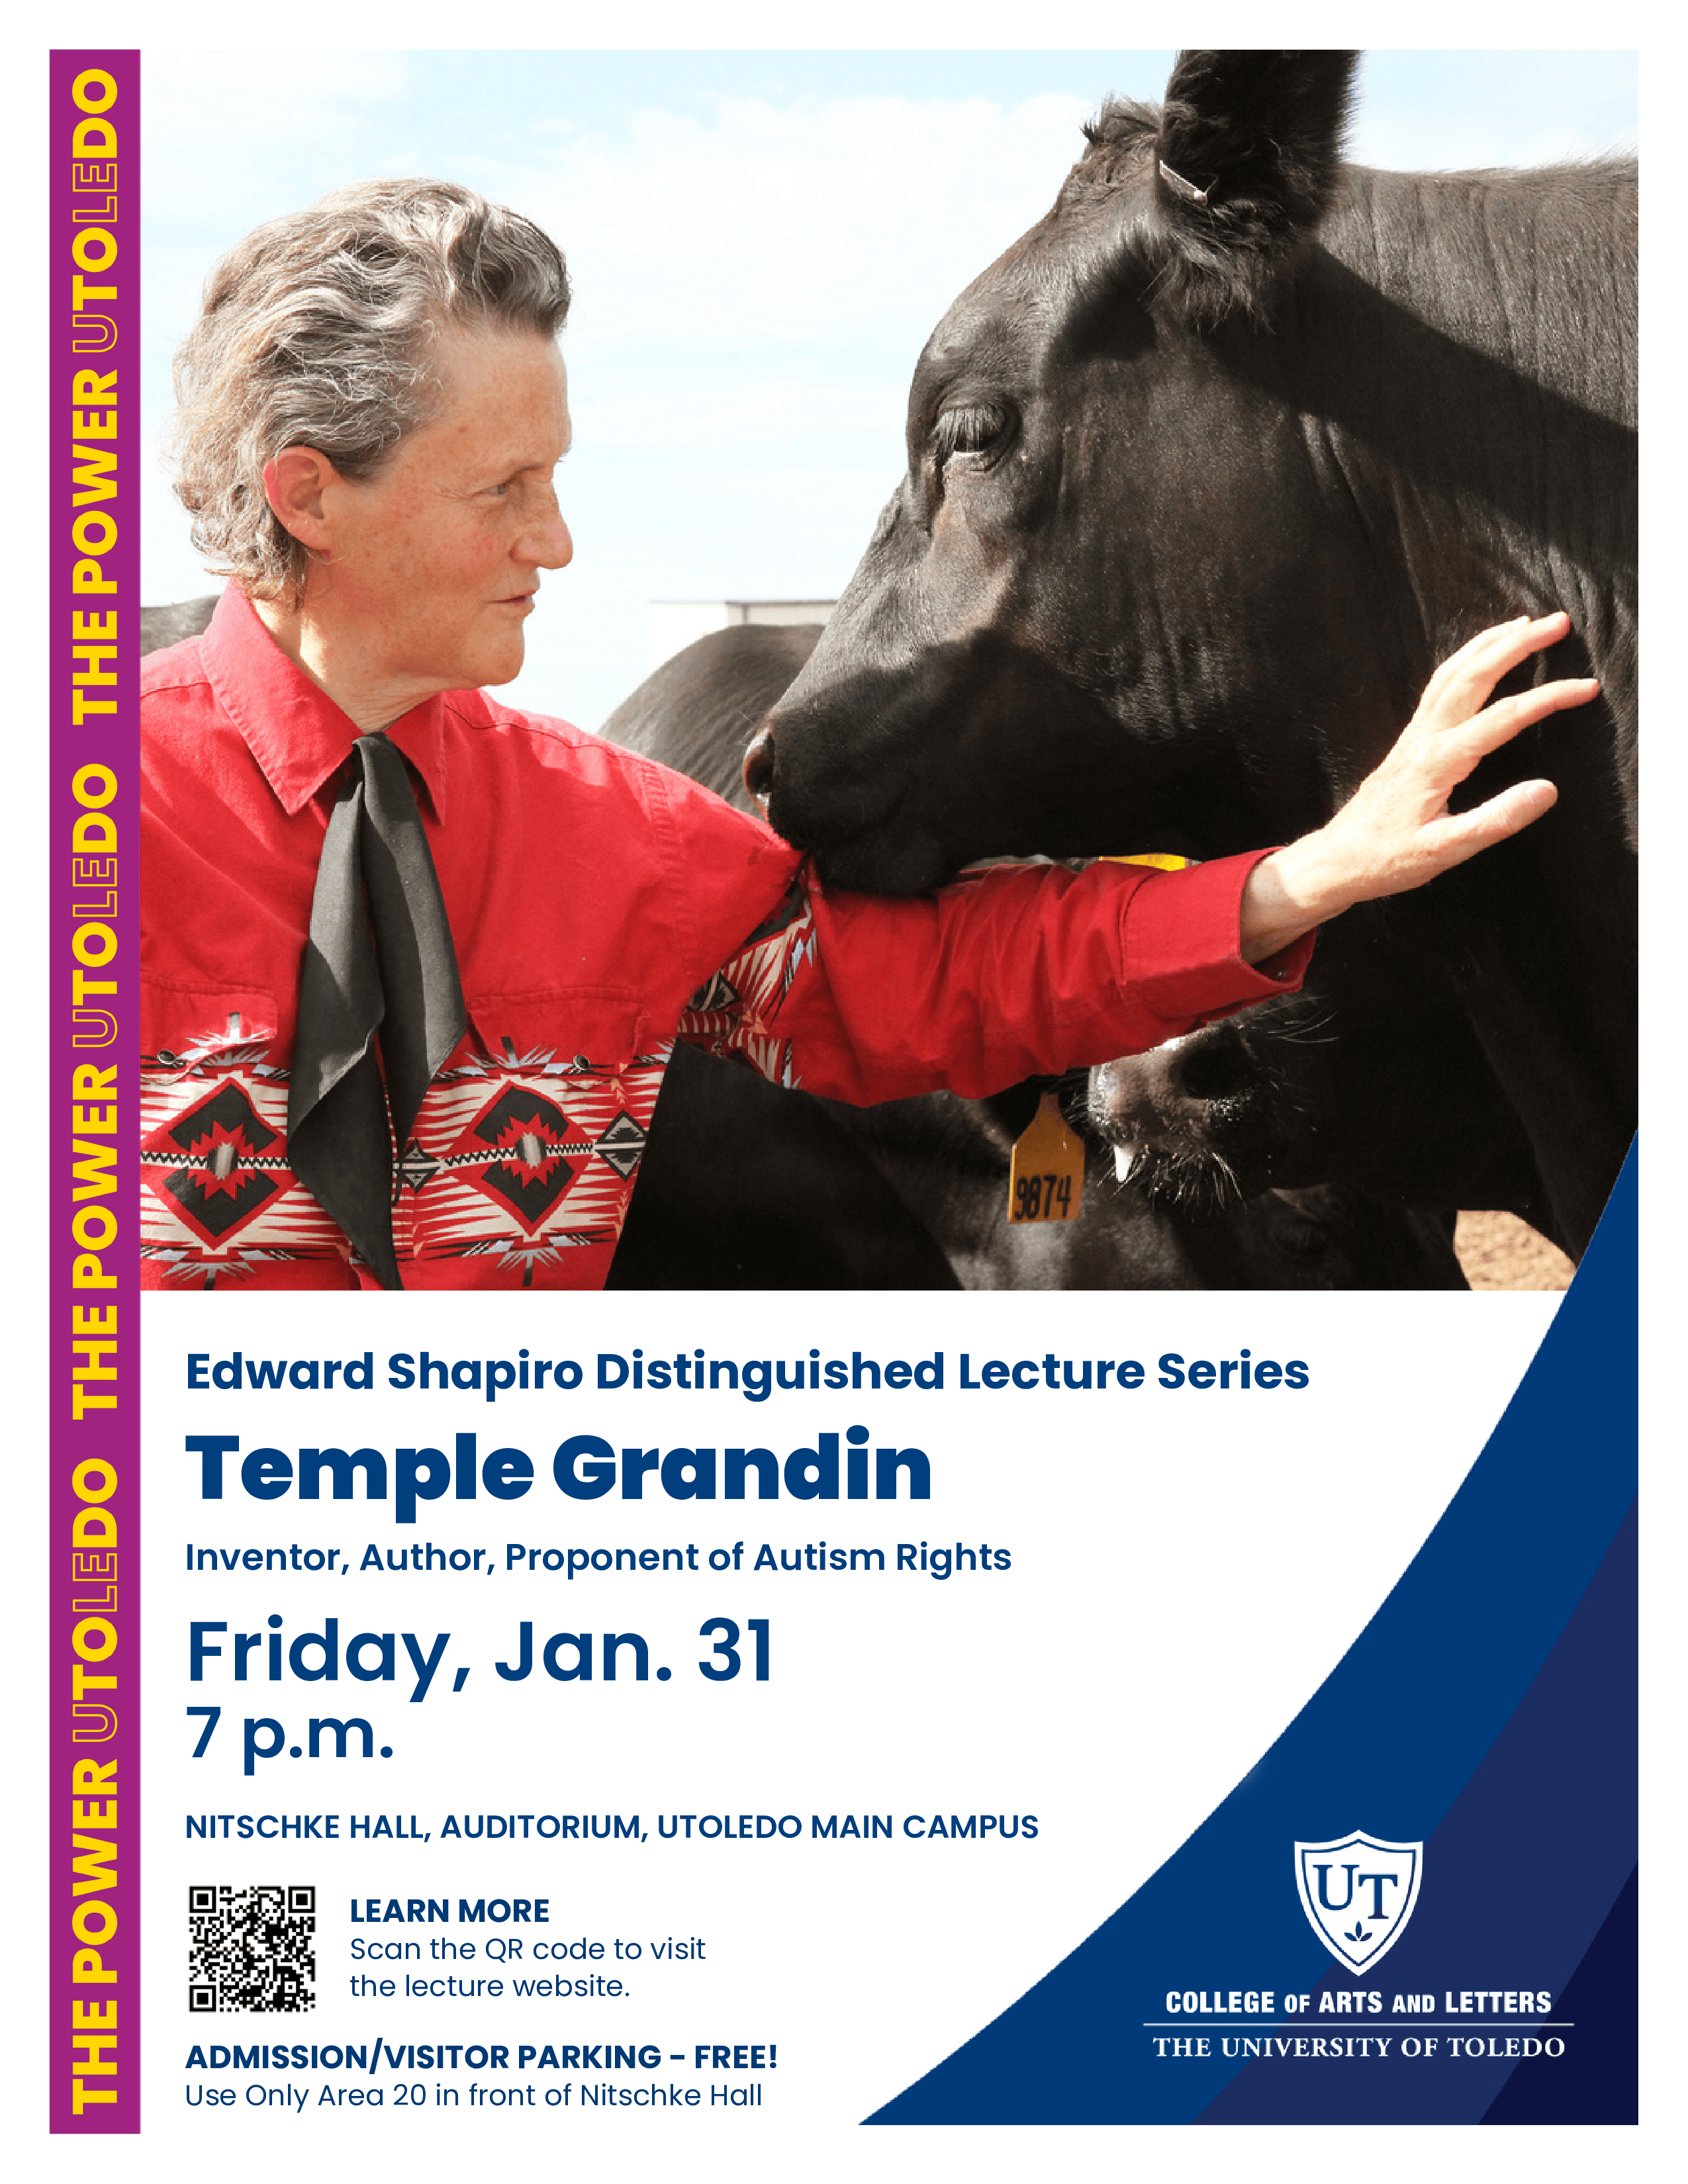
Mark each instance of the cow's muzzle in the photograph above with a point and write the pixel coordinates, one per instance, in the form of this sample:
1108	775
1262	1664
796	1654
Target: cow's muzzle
1179	1102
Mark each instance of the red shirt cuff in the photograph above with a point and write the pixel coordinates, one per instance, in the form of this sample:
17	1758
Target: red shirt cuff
1187	926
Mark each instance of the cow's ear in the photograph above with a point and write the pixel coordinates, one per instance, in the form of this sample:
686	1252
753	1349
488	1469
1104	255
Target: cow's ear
1247	157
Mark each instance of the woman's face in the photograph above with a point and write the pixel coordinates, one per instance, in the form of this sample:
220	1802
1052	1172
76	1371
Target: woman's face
432	564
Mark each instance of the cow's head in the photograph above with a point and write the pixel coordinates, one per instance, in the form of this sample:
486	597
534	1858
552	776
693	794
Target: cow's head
1109	501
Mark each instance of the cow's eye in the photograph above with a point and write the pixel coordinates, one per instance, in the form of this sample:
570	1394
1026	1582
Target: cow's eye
971	428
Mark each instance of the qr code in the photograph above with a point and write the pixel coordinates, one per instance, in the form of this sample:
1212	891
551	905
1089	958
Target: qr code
251	1948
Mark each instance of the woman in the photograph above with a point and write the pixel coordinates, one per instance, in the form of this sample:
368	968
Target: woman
413	961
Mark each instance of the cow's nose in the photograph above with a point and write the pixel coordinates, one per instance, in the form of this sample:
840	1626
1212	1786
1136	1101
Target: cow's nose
1215	1067
758	765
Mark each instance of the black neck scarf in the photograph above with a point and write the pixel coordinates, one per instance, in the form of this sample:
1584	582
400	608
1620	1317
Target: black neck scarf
380	956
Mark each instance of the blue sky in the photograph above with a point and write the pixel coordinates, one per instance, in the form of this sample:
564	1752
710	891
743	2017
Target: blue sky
759	243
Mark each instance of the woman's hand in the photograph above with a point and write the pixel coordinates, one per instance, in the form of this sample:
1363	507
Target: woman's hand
1395	832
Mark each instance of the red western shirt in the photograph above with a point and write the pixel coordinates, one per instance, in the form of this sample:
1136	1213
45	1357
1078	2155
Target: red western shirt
601	906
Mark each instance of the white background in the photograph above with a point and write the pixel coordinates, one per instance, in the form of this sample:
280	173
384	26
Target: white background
1187	1567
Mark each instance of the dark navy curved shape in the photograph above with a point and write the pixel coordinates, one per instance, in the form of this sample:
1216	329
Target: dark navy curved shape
1597	2080
1388	1743
1530	1860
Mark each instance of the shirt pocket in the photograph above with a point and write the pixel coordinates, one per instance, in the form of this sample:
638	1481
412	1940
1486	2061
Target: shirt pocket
566	1032
183	1026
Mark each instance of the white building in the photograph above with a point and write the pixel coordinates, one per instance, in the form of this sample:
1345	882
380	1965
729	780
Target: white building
676	623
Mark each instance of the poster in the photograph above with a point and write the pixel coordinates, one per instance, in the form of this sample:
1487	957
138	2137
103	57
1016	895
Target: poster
1008	1818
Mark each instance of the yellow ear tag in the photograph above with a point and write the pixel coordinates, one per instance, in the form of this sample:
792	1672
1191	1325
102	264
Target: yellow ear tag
1046	1170
1162	863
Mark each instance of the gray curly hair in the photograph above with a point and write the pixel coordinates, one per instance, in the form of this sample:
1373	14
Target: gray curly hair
315	331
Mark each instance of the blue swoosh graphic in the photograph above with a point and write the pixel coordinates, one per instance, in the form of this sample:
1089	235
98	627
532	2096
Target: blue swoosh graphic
1388	1742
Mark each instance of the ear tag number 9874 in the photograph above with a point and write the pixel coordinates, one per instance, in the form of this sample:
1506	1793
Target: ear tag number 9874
1046	1171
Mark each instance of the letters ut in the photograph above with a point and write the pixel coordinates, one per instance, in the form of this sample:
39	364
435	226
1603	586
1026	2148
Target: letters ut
1374	1881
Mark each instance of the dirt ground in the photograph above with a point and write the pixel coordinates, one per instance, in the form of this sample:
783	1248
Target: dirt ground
1499	1252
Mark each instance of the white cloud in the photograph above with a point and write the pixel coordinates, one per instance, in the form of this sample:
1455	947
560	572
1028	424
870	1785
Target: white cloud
222	128
1452	141
767	228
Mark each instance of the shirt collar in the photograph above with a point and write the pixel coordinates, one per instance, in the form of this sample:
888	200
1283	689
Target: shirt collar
297	735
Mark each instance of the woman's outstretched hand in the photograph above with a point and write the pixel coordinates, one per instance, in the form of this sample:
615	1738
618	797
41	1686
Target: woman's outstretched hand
1396	832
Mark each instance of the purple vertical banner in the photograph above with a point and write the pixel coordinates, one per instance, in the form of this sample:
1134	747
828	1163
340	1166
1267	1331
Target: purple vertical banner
94	1659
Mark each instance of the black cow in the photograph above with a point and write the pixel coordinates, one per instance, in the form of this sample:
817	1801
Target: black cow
745	1186
1205	475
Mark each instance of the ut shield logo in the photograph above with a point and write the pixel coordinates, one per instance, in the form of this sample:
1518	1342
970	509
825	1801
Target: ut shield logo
1359	1893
